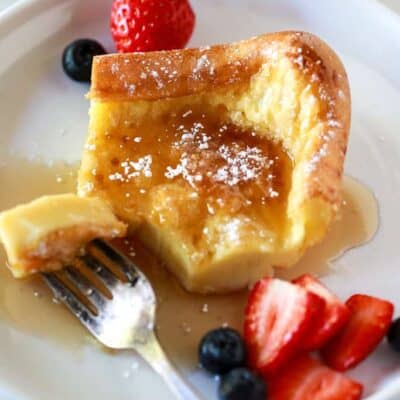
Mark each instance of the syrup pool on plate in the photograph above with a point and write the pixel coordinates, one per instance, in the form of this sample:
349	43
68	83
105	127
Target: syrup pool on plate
27	304
356	224
183	318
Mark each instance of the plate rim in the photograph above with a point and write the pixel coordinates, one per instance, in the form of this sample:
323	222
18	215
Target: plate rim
23	8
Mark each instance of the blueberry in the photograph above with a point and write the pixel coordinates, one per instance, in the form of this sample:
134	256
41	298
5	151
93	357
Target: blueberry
393	336
78	57
242	384
222	350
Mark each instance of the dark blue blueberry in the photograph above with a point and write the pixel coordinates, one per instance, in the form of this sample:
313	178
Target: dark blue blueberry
222	350
78	58
393	336
242	384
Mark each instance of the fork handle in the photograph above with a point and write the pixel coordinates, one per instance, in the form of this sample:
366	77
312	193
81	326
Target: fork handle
152	352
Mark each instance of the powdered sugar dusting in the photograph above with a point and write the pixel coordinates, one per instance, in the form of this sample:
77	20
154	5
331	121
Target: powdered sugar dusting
241	165
114	68
218	163
214	161
203	65
133	169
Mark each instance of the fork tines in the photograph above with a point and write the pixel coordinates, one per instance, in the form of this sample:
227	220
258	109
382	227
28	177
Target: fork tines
72	286
118	259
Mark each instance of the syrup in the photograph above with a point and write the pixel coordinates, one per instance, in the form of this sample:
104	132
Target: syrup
357	223
189	316
27	305
192	154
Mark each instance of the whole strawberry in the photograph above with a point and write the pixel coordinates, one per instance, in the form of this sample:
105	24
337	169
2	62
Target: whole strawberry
147	25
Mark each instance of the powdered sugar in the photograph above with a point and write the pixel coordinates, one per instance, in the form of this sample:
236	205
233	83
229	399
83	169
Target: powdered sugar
213	159
241	165
114	68
131	89
133	169
203	64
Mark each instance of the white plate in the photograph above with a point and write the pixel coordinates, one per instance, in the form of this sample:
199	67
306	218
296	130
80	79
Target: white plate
44	114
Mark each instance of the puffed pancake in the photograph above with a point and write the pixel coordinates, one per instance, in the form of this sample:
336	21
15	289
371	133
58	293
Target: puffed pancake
227	160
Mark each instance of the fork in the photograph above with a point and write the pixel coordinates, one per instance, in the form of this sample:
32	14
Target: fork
125	321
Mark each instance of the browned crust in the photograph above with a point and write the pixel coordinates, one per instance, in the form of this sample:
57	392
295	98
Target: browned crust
177	73
158	75
326	72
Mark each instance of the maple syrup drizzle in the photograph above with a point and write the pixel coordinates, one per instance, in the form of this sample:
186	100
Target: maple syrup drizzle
27	305
196	155
357	223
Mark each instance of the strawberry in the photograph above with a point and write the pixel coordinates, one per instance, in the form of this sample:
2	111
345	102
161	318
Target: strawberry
148	25
278	316
335	314
369	321
307	379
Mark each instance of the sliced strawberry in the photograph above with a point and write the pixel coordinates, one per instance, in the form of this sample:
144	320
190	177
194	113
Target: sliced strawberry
369	321
278	316
307	379
335	314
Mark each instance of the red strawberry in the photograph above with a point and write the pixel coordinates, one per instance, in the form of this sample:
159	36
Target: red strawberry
147	25
369	321
307	379
278	316
335	315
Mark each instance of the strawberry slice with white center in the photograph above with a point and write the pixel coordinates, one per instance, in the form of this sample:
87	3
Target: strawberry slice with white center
307	379
369	322
333	318
278	316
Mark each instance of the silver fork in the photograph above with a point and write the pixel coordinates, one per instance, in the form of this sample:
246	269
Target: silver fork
127	320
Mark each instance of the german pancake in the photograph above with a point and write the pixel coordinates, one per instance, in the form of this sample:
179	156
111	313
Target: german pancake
226	161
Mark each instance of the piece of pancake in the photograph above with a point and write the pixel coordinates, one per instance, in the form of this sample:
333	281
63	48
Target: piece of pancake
47	233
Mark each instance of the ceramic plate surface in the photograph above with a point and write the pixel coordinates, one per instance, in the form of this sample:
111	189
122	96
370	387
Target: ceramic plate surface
43	114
